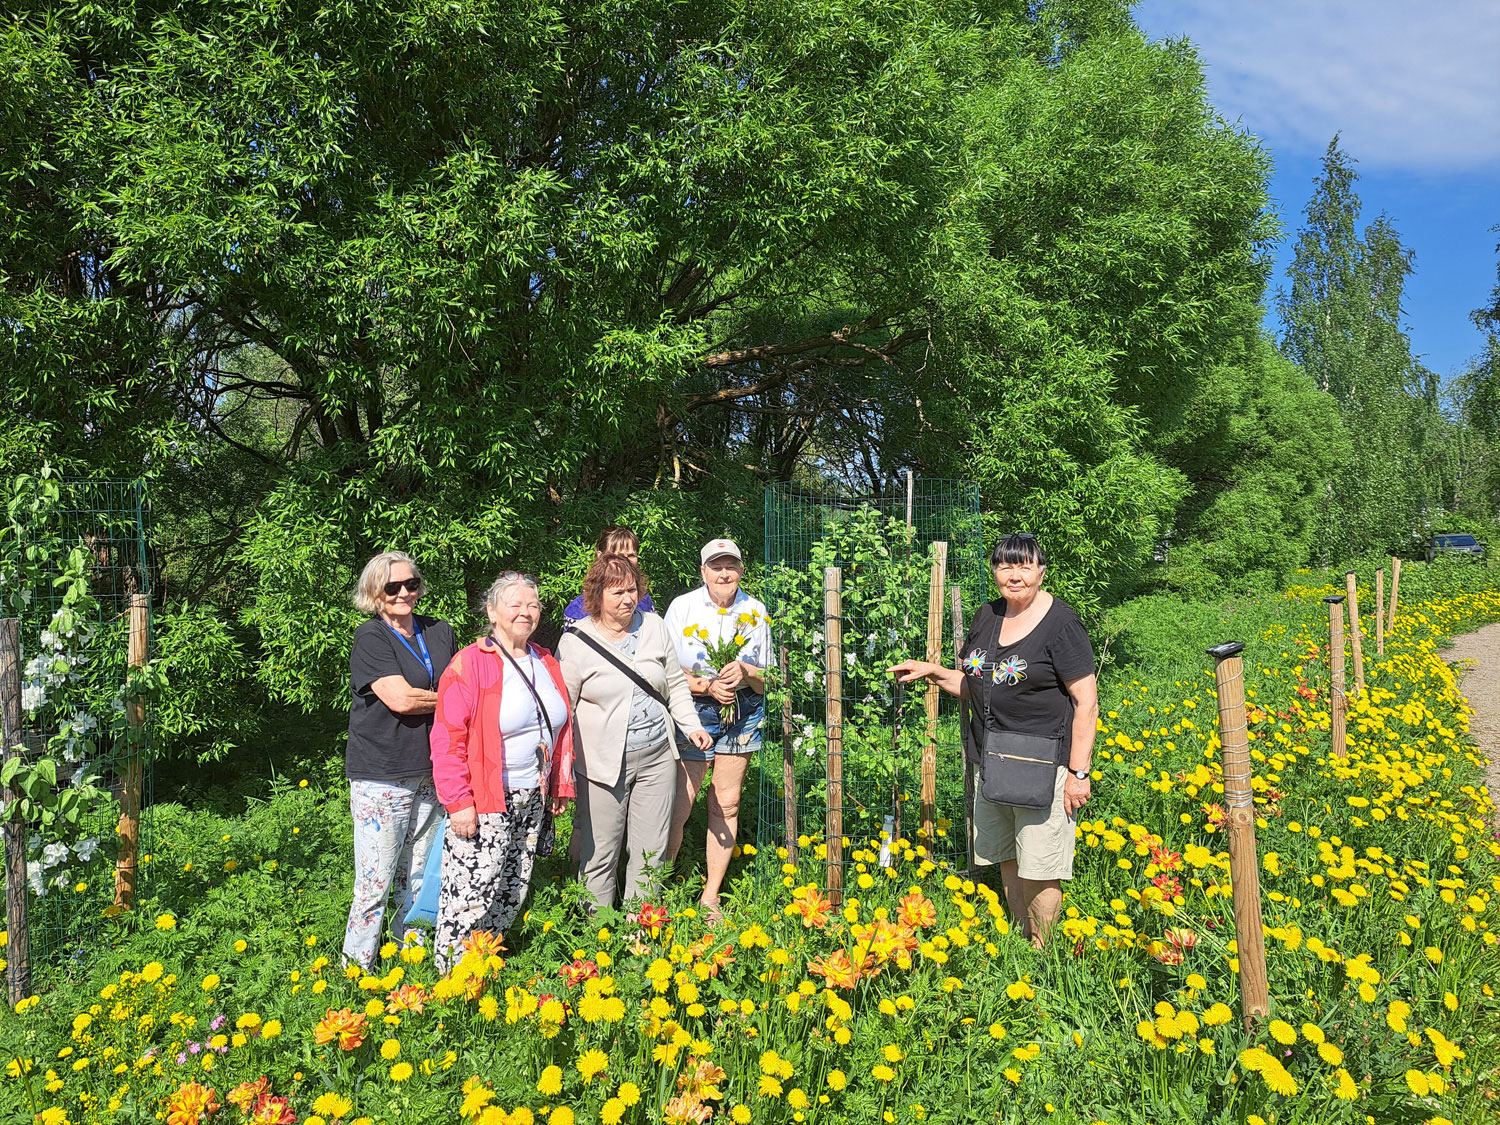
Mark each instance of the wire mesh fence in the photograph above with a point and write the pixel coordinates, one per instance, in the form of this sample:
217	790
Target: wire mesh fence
69	885
844	744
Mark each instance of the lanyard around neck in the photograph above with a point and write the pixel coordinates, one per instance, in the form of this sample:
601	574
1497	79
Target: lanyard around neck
542	718
422	656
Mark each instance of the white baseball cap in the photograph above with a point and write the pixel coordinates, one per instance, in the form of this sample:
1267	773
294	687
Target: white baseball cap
716	547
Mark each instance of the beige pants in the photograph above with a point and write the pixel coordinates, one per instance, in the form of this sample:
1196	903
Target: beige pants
1039	840
634	815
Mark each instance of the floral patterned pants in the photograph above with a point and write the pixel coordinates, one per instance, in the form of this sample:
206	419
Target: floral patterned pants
485	878
395	823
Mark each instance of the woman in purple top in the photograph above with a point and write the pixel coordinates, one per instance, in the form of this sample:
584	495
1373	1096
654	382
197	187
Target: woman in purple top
613	540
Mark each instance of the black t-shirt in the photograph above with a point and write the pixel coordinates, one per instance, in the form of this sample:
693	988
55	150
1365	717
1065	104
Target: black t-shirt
1022	687
385	746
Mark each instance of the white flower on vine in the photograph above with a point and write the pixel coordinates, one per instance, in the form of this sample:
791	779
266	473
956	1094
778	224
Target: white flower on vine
33	696
51	639
34	877
810	676
54	853
83	722
84	849
62	879
850	659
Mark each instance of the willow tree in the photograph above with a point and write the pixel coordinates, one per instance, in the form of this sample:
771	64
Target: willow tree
473	278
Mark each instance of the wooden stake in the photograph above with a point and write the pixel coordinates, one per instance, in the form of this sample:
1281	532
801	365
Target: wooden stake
935	655
1380	613
1352	585
1244	870
18	949
833	663
1338	702
127	867
788	763
957	595
1390	625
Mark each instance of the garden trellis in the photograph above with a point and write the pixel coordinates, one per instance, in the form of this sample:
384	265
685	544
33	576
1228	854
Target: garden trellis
847	748
78	712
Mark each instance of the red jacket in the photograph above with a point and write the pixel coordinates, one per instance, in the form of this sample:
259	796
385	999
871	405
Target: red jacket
468	753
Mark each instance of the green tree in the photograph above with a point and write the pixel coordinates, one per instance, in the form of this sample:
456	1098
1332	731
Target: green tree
473	279
1342	325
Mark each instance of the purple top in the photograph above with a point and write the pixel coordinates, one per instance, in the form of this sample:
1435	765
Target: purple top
576	612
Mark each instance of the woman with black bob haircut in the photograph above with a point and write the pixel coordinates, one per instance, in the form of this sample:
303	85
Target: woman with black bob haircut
1031	708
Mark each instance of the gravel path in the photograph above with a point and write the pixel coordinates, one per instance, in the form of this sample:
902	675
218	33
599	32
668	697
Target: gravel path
1482	686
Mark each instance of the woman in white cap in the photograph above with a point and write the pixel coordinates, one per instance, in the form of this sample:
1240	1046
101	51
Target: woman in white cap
719	618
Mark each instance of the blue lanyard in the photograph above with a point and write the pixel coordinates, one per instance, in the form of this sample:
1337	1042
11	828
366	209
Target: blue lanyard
421	644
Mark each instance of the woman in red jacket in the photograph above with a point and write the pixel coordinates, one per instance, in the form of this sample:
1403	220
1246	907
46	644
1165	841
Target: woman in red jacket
502	748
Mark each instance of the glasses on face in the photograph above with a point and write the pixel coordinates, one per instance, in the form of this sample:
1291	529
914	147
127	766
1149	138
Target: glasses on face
413	584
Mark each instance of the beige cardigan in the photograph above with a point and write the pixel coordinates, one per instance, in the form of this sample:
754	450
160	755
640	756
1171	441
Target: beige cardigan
600	694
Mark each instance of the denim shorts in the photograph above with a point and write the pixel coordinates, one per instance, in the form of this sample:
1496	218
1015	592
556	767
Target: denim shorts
742	736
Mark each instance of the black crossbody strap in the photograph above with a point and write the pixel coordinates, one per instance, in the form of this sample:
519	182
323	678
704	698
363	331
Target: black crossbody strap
541	708
635	677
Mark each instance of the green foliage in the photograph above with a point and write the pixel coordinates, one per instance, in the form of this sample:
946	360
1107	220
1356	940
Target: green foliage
1259	446
884	621
1342	320
555	267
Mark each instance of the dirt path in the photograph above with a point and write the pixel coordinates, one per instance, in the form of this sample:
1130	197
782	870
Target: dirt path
1481	684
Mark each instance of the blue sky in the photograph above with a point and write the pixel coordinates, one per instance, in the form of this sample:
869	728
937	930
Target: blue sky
1414	91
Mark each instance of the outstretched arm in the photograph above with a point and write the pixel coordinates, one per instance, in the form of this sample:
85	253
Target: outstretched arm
950	680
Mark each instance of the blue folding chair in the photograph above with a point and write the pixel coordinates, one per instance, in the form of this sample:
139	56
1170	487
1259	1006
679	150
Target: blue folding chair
424	911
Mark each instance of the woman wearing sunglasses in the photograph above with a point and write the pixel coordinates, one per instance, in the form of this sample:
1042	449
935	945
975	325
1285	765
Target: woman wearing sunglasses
394	669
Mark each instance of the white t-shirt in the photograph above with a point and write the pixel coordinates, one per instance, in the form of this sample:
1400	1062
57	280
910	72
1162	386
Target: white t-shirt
695	610
518	718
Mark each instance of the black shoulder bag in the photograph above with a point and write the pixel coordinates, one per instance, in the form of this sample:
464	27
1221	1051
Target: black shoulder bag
1016	769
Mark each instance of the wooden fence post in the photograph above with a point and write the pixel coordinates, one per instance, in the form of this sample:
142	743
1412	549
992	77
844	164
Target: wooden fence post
127	866
957	594
18	949
833	663
1338	702
1380	613
1390	625
935	655
788	763
1244	870
1351	584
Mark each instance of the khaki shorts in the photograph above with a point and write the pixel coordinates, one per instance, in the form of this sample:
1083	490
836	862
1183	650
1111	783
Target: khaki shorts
1039	840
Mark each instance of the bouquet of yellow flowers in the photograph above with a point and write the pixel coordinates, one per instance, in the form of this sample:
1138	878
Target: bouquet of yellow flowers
719	653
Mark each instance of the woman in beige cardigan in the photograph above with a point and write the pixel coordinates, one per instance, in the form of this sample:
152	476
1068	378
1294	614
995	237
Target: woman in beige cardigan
625	757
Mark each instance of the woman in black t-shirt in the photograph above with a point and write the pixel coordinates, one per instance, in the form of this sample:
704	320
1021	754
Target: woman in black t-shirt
394	667
1027	668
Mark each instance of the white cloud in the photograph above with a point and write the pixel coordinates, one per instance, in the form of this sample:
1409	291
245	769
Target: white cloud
1412	86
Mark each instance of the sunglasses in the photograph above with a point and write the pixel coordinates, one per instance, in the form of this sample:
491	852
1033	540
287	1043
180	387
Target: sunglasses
394	588
529	579
1021	535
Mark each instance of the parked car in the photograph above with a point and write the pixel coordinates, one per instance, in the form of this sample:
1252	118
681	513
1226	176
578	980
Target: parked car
1454	545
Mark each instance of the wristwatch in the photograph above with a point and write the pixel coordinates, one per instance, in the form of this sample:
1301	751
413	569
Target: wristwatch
1081	775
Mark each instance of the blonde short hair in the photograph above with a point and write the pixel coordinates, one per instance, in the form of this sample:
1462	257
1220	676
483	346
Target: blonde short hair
370	591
